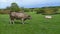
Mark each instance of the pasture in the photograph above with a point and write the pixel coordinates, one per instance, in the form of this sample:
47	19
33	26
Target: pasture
37	25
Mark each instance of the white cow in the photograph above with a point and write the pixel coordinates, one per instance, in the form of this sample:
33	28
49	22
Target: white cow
48	17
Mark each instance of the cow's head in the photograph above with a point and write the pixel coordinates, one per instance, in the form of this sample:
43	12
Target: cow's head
29	17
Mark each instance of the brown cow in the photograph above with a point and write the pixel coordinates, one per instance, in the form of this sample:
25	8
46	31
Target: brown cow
19	15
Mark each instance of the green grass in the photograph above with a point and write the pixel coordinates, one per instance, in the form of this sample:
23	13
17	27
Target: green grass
38	25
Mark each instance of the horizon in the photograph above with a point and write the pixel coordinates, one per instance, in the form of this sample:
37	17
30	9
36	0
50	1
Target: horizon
30	3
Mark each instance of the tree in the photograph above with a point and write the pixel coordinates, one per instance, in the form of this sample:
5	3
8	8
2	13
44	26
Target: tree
26	9
50	10
14	7
7	8
58	11
38	10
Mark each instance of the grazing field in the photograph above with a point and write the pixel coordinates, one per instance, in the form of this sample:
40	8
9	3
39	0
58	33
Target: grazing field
37	25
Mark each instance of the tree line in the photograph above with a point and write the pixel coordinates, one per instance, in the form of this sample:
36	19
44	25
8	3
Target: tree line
42	10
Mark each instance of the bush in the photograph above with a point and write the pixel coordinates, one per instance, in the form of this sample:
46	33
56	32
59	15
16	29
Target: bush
5	12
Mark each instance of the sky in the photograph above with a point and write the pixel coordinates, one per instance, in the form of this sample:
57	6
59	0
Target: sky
30	3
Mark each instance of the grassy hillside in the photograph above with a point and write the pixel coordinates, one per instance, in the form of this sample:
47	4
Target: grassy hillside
38	25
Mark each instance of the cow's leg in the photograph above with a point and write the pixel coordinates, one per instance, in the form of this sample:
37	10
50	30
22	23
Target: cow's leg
12	21
22	21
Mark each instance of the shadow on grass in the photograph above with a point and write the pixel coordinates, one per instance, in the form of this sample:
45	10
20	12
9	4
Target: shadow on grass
20	23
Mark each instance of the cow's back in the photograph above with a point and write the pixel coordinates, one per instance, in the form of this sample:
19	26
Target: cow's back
18	15
12	13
